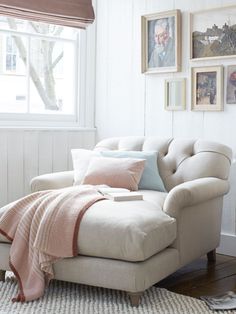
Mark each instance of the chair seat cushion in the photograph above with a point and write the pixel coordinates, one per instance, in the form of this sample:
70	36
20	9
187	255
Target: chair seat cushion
129	230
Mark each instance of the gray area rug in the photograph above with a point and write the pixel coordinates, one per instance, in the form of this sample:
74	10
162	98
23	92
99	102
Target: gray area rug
62	298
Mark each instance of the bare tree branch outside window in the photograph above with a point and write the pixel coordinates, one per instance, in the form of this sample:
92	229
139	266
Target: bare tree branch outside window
44	82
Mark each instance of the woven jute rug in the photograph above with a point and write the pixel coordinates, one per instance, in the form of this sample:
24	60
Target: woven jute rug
68	298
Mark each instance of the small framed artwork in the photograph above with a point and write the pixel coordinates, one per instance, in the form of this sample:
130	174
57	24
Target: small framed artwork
213	33
231	85
207	88
161	42
175	94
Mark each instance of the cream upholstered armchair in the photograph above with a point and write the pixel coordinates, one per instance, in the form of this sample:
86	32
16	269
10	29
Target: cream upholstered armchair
132	245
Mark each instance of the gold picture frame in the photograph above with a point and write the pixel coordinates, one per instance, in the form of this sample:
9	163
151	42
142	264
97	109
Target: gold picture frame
175	94
207	88
161	42
212	33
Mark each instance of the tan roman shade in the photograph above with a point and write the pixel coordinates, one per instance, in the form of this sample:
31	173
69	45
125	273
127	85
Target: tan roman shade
74	13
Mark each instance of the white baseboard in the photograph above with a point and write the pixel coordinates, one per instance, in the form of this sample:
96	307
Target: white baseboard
227	245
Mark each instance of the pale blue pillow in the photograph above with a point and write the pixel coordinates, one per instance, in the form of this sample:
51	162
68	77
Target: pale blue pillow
150	179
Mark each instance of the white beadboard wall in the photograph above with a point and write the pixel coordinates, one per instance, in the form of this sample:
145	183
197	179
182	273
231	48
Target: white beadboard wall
27	153
130	103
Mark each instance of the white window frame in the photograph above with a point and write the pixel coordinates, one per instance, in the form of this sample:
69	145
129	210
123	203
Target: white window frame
80	117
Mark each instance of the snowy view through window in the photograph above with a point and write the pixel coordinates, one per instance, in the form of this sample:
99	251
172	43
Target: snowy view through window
38	67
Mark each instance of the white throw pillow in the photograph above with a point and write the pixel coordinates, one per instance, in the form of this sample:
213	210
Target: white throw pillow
81	159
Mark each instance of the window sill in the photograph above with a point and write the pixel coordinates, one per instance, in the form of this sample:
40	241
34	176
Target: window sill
47	128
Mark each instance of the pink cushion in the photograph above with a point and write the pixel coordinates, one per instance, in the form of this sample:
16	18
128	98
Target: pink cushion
115	172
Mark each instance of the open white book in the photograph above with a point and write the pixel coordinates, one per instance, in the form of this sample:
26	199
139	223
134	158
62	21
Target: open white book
119	194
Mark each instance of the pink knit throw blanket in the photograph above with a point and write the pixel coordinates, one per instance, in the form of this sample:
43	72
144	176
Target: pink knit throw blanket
43	228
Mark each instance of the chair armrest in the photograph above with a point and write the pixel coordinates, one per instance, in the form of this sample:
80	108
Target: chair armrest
52	181
194	192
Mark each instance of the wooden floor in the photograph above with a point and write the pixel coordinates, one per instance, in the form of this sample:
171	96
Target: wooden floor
200	278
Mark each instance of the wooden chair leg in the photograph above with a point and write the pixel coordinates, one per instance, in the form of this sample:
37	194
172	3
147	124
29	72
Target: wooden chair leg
135	298
211	256
2	275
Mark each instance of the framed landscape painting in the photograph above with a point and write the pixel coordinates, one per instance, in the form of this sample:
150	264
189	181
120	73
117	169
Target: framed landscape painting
207	88
231	85
161	42
213	33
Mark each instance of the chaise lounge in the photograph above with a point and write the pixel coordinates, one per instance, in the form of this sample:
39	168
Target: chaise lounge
130	246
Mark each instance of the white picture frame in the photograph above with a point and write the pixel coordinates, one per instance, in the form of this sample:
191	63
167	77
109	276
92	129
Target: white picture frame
207	88
161	42
210	32
175	94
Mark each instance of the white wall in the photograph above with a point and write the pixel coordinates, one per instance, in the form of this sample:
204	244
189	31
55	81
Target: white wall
129	103
26	153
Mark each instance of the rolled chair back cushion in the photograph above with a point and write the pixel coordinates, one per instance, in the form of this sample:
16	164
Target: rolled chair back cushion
179	160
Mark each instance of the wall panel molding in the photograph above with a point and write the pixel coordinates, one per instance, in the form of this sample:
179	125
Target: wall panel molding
25	154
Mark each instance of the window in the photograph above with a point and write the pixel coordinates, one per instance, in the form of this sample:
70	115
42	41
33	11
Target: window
38	69
11	54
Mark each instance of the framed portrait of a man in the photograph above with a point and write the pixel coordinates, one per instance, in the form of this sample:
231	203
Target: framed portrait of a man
161	44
